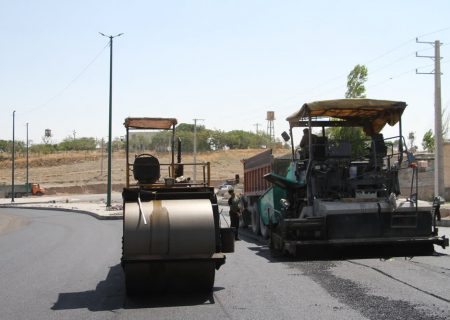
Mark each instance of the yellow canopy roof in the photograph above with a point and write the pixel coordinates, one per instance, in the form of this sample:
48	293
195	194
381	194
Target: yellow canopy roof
370	114
150	123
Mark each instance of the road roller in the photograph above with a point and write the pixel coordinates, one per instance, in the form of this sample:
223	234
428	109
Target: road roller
172	235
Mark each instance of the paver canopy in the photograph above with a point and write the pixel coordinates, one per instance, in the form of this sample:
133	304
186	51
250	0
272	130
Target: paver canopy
370	114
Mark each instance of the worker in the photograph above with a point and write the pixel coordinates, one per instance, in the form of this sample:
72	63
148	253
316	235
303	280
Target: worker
235	212
304	143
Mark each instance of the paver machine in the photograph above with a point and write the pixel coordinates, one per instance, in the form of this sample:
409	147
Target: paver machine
172	240
330	197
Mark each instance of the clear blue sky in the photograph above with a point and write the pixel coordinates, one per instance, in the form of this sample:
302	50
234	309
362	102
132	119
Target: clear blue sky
227	62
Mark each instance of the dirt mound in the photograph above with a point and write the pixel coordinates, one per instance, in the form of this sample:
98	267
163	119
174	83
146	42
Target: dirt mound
86	172
86	189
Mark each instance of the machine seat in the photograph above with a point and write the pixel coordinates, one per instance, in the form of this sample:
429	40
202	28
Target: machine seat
146	169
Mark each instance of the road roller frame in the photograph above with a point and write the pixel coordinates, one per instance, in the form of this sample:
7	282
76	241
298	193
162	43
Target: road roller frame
172	240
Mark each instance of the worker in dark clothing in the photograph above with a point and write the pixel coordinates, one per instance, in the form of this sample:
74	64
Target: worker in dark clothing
233	202
304	143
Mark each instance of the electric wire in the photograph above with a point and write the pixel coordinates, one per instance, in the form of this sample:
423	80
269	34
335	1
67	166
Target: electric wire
386	53
69	84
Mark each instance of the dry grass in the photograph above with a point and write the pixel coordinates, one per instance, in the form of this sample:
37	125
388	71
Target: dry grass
67	169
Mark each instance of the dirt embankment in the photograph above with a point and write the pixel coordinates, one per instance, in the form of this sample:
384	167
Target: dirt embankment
86	172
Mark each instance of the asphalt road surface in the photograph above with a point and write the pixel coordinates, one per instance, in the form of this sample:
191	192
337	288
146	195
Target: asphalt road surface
60	265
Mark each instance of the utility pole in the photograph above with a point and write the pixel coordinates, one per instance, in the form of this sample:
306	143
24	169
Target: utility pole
101	162
257	127
195	149
28	190
439	187
74	134
13	157
108	191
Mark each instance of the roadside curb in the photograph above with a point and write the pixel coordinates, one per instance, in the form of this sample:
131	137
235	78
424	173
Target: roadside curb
90	213
443	223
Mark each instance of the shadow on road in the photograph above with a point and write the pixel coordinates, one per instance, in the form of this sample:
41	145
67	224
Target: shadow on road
109	294
170	300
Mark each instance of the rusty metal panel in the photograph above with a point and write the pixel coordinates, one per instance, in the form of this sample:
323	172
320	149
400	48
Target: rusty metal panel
150	123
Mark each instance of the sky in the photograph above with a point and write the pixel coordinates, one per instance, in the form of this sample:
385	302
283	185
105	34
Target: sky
227	62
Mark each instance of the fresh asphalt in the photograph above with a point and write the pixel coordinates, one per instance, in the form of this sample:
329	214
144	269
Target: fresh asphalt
61	265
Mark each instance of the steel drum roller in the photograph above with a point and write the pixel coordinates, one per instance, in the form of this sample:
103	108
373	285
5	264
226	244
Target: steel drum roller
171	245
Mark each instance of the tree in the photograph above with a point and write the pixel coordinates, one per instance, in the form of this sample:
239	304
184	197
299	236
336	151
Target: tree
412	138
355	89
6	146
355	82
428	141
445	122
428	137
85	143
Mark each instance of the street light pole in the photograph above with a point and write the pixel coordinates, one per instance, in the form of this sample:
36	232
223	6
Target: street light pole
13	157
28	189
108	191
195	149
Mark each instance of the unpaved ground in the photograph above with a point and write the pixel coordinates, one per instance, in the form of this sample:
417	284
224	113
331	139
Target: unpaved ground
86	172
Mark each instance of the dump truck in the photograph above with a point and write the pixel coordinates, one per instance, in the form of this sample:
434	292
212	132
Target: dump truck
172	235
21	190
329	196
255	168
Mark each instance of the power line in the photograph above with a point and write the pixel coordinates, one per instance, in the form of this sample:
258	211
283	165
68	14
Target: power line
433	32
388	52
399	75
70	83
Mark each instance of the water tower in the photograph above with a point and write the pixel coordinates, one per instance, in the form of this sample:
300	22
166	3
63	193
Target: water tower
270	125
47	136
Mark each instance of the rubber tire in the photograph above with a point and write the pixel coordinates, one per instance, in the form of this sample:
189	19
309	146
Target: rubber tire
265	232
255	219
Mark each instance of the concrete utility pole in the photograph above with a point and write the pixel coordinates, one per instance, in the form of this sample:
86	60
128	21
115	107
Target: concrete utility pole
195	149
108	191
439	187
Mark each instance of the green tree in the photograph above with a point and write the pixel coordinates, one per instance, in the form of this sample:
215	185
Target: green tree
355	82
355	89
140	141
70	143
445	122
44	148
428	141
6	146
